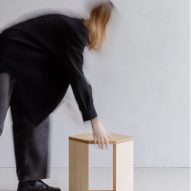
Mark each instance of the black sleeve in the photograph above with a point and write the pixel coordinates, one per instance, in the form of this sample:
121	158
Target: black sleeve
80	86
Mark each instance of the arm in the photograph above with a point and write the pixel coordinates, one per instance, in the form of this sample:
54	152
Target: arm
81	87
83	93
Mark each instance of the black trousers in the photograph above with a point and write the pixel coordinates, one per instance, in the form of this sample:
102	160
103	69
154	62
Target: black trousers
31	142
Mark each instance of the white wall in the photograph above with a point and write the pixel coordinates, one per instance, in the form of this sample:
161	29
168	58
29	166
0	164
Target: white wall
140	82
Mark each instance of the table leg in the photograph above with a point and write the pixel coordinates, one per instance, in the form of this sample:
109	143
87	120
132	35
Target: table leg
123	170
78	166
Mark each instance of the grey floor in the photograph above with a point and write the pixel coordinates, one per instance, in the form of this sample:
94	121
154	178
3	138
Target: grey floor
145	179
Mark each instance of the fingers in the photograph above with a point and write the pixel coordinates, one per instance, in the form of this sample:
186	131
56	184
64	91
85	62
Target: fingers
103	141
98	140
106	141
95	138
101	136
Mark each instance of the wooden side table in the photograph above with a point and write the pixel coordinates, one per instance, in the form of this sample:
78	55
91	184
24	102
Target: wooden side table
123	162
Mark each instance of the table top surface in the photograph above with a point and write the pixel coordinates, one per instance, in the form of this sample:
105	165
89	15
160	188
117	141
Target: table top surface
88	138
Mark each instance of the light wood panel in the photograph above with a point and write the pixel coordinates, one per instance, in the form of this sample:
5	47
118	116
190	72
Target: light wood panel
88	138
123	167
78	166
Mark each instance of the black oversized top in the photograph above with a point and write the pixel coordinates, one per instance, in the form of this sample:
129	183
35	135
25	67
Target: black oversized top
45	55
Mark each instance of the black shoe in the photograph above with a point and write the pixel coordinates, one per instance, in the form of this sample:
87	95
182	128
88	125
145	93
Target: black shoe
36	185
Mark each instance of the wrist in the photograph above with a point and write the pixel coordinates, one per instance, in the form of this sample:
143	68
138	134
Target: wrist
94	120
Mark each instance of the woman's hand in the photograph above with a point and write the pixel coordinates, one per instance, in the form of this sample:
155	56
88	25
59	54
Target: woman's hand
101	136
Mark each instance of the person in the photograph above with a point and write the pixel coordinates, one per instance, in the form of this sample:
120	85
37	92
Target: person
39	58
